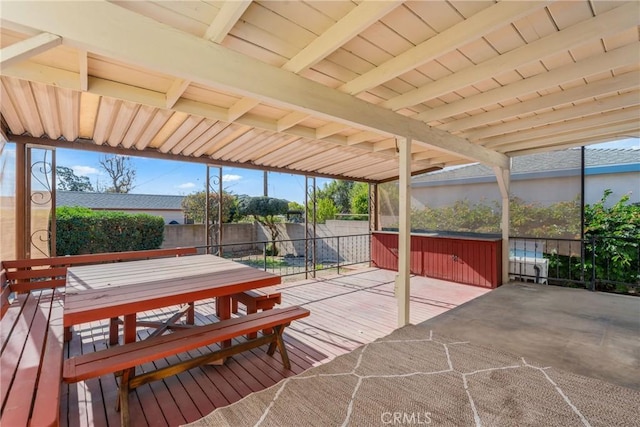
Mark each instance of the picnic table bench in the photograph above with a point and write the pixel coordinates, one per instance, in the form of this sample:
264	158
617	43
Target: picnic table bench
32	332
254	300
126	357
31	358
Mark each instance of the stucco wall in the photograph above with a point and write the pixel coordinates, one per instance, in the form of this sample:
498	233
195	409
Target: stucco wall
544	191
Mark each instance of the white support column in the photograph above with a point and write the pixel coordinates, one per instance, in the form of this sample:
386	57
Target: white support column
504	178
403	289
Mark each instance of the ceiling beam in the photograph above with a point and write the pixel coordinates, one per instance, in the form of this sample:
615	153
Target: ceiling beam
470	29
178	86
555	140
227	16
27	48
357	20
570	112
565	127
602	87
608	23
621	57
83	66
607	137
67	79
109	30
290	120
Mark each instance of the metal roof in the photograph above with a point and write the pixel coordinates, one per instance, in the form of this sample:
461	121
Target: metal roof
321	87
126	201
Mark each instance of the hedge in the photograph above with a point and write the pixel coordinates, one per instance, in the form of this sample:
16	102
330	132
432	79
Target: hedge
83	231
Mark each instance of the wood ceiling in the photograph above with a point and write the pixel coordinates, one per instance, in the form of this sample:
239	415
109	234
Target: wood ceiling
321	87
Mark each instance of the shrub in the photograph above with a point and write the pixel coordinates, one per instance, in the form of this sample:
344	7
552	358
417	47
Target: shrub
83	231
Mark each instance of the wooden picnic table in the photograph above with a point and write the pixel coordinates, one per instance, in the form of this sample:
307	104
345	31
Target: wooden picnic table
106	291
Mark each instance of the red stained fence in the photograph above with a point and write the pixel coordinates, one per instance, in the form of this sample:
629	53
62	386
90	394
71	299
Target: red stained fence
470	261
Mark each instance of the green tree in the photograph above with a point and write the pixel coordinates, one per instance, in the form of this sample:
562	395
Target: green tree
120	171
360	198
615	232
339	192
267	211
296	207
194	206
325	209
69	181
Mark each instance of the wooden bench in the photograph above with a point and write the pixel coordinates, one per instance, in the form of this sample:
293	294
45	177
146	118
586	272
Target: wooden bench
26	275
254	300
124	358
31	359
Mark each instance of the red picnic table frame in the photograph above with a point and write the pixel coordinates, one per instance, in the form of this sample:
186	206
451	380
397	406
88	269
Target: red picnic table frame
106	291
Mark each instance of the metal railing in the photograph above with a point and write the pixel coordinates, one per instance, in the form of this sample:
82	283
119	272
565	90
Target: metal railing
289	257
602	263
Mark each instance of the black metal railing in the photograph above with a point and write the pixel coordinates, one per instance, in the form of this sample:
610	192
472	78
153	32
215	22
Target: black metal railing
300	256
602	263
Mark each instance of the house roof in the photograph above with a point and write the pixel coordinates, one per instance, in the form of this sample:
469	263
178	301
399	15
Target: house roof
118	200
321	87
541	164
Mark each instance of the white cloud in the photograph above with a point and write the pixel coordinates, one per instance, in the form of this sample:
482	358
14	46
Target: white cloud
230	177
186	185
85	170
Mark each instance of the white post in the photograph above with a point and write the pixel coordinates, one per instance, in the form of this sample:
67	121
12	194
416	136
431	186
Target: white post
403	290
504	178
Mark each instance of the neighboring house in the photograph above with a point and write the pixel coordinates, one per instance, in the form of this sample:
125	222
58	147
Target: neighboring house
168	207
545	178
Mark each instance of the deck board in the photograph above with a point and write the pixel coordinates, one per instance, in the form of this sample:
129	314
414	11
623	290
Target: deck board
347	311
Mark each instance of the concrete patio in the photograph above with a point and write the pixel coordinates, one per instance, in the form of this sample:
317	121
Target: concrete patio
588	333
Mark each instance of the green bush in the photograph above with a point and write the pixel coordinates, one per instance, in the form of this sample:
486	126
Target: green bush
83	231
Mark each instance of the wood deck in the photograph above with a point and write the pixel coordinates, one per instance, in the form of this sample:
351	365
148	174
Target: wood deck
346	311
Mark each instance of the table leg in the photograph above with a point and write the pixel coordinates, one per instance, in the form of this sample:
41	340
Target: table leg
223	304
113	331
191	314
129	328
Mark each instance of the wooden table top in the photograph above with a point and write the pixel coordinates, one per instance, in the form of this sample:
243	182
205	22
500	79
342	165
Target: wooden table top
96	292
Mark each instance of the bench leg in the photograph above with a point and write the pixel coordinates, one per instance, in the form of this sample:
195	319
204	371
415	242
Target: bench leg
191	314
279	342
113	331
122	404
234	305
252	308
223	308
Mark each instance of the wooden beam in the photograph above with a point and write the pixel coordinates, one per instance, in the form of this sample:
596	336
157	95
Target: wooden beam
606	86
601	26
83	65
567	139
25	49
84	25
229	14
330	129
177	88
622	57
597	139
358	19
403	284
571	112
565	127
470	29
504	177
290	120
241	107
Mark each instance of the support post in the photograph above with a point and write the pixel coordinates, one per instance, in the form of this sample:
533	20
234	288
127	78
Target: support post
403	288
504	177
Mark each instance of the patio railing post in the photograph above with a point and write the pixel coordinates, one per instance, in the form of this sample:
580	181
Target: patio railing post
264	256
593	263
338	246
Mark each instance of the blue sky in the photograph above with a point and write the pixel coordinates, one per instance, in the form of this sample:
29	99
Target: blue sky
180	178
